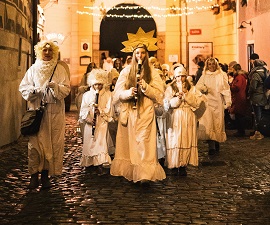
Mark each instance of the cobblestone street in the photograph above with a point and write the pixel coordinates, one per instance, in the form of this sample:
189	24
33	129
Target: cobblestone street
231	188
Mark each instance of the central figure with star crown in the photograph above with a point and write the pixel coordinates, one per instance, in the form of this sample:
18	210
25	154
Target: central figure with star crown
138	88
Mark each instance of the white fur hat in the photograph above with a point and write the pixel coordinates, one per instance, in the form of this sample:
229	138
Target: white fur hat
180	71
165	66
97	76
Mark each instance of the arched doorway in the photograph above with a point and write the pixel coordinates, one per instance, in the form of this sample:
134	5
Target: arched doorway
113	30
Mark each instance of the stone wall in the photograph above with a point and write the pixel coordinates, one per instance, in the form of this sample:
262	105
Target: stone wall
15	58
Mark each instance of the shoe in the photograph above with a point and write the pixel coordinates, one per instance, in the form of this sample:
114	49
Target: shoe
45	180
162	162
217	146
174	171
257	136
101	171
211	151
145	183
34	183
182	171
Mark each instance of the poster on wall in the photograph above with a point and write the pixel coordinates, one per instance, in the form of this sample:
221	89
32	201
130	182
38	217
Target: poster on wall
85	45
198	51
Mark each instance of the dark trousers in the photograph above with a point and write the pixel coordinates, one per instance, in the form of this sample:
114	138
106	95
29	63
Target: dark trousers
240	123
257	110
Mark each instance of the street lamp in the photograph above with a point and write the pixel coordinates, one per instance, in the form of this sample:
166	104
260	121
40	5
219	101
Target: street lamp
242	26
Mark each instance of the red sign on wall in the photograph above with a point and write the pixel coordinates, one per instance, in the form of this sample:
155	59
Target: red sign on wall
195	31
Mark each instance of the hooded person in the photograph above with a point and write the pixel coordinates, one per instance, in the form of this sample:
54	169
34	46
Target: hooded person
96	113
46	148
214	84
112	78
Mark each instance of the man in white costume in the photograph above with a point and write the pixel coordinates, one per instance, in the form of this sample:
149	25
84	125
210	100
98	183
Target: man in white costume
46	148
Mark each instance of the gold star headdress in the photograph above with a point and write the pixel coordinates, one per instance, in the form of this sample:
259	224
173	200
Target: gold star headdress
140	39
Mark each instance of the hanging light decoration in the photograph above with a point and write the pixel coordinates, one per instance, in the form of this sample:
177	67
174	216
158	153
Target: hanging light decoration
182	11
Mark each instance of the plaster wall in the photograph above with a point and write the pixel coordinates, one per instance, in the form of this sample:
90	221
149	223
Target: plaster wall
258	12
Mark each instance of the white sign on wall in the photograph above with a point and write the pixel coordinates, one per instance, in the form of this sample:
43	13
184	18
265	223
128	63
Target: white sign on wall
173	58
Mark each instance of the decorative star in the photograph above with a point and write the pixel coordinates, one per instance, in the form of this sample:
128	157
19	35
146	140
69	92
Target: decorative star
140	38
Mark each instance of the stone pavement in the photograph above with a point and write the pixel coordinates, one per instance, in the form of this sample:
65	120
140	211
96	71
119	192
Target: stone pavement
231	188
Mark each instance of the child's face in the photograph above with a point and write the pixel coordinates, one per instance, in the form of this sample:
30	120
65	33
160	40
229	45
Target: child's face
114	80
98	87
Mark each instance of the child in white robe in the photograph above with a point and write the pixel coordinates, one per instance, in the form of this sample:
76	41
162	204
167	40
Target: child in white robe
181	141
96	112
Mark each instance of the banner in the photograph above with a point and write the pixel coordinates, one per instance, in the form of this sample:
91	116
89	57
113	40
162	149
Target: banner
198	51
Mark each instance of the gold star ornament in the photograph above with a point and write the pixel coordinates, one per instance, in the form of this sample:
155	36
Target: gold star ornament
140	39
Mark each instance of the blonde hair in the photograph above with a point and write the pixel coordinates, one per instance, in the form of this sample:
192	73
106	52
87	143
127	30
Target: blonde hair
42	44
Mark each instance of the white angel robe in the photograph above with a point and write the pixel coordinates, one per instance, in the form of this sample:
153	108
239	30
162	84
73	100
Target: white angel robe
95	145
46	149
218	94
135	153
181	140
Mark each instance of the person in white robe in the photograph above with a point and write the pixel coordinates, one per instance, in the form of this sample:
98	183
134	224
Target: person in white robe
46	148
214	84
181	100
96	113
161	115
135	153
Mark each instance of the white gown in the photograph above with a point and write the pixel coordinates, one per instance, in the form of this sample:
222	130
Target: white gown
135	153
212	124
95	145
181	140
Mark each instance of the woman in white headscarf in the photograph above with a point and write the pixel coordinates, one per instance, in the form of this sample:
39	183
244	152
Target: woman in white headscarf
46	148
214	84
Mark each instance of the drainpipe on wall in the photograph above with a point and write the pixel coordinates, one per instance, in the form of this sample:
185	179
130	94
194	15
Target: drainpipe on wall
180	24
34	25
187	61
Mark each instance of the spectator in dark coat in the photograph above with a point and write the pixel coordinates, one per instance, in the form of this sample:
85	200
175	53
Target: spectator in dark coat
199	71
257	93
240	105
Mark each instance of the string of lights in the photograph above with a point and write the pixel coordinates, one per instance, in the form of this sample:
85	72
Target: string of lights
146	7
183	11
134	15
